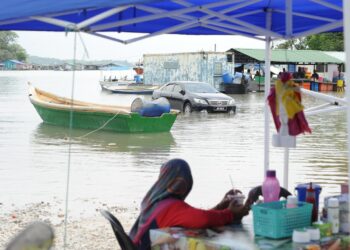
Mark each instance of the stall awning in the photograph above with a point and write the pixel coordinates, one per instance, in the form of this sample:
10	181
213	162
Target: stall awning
282	56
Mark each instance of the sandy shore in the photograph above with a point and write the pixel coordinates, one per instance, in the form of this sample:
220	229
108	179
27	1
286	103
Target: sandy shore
93	232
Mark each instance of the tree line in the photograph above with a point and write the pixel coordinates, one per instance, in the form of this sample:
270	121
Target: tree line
9	48
325	42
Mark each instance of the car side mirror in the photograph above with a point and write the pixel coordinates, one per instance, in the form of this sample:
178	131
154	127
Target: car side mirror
182	92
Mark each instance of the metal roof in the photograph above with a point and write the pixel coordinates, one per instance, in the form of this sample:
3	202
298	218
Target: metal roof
337	54
14	61
283	56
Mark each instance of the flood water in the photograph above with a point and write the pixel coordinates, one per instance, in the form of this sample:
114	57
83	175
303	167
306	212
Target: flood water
118	169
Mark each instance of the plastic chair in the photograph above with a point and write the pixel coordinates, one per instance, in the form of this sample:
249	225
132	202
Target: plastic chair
340	86
123	239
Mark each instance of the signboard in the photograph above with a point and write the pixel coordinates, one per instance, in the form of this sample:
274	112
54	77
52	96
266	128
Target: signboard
171	65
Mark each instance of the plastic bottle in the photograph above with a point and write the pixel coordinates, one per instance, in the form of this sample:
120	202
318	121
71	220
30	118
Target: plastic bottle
300	237
271	187
292	201
333	214
311	198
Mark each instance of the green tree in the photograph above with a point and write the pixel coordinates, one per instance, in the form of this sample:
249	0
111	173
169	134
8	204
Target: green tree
9	49
297	43
325	42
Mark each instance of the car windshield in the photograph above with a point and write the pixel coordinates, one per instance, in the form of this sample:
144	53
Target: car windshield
199	87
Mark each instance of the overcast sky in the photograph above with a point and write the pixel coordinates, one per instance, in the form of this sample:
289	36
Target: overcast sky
59	45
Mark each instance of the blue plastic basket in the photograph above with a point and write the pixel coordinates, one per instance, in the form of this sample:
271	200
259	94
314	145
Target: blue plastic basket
273	220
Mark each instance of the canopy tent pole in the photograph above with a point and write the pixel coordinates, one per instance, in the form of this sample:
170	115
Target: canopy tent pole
101	16
346	32
285	168
326	111
289	32
267	89
324	97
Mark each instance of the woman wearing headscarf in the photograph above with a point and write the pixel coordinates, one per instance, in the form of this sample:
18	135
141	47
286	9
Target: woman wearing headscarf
164	206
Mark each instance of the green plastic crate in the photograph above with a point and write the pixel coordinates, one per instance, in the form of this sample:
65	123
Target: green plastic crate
273	220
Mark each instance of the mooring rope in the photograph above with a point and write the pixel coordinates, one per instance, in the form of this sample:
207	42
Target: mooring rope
101	127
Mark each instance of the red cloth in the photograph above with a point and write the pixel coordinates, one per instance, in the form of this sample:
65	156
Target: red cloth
297	125
183	215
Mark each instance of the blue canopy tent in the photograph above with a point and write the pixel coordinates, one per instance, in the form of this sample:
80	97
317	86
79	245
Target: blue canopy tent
265	20
259	19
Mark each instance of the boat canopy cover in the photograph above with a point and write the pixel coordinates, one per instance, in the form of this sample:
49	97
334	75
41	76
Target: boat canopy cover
288	18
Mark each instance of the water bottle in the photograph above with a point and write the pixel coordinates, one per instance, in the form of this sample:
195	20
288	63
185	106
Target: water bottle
271	187
333	214
292	201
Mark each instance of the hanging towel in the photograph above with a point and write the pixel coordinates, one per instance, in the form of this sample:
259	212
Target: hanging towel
290	97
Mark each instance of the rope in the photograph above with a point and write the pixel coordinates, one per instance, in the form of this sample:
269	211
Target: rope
69	143
105	124
86	52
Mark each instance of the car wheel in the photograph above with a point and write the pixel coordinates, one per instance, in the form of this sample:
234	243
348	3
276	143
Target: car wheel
187	108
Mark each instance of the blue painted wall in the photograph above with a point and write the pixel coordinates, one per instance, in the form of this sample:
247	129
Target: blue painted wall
9	65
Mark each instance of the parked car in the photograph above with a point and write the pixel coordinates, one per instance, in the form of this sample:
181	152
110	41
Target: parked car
188	96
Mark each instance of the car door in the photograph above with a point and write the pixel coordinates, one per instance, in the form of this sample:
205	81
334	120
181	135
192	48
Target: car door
177	97
167	92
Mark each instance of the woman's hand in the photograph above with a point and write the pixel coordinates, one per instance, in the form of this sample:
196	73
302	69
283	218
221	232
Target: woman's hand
253	196
224	203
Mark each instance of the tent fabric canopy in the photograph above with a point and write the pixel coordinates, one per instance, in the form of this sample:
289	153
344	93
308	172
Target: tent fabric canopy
289	18
282	56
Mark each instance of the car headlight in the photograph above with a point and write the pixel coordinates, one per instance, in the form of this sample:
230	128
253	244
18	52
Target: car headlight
201	101
231	102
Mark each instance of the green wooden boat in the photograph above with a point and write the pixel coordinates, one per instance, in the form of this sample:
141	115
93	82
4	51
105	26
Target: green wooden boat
56	110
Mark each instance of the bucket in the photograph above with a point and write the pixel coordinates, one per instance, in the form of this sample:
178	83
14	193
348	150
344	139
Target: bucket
150	108
301	189
227	78
314	86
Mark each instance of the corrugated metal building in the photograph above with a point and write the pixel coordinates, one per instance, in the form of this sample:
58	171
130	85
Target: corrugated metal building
13	65
283	56
325	62
193	66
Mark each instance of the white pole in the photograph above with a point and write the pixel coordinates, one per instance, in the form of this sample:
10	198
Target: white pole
101	16
324	97
289	32
346	18
267	89
286	166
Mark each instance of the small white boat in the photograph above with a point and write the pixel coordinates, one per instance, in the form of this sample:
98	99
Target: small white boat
128	88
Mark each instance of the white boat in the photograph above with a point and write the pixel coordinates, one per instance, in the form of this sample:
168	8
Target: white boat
128	88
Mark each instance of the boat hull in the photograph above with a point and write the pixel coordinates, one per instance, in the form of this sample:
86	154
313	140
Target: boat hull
123	123
135	92
138	89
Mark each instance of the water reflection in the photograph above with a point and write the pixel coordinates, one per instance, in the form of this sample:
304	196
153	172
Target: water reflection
116	168
47	134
